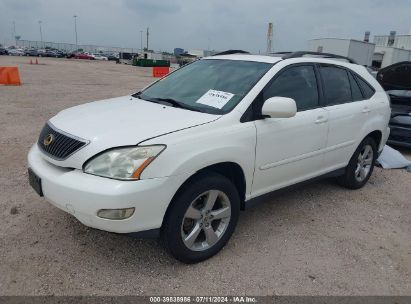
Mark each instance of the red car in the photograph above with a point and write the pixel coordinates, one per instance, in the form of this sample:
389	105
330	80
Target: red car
83	56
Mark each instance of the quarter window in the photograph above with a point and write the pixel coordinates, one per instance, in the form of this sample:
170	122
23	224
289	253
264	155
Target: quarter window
297	82
337	88
367	90
355	89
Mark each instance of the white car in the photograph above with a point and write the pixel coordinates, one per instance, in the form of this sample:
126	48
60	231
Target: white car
99	57
16	52
181	158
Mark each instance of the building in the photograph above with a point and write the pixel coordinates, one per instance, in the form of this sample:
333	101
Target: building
361	51
394	40
387	55
201	53
391	49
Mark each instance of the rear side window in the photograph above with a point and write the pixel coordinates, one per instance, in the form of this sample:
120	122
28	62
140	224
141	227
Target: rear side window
366	88
299	83
355	89
337	87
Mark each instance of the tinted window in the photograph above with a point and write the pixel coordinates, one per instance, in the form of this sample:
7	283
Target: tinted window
336	85
297	82
366	88
355	89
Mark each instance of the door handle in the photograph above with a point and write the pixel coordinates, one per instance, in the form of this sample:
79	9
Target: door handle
366	110
321	119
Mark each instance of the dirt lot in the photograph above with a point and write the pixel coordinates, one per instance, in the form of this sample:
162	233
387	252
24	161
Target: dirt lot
317	239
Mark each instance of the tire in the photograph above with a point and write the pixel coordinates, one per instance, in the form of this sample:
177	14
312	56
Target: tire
189	215
361	166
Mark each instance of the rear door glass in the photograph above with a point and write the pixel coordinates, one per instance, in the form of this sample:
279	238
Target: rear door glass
337	89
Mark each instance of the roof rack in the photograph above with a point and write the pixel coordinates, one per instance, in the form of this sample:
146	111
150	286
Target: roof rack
230	52
323	55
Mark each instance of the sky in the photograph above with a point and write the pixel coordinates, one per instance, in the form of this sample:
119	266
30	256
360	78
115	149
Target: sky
208	24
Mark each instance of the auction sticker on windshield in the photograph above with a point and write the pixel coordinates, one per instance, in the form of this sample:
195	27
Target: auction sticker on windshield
215	99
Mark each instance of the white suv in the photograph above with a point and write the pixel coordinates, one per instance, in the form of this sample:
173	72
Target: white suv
181	158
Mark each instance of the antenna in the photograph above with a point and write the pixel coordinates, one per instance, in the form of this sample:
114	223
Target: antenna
269	38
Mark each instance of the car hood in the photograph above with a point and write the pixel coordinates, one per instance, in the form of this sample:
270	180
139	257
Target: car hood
396	76
119	122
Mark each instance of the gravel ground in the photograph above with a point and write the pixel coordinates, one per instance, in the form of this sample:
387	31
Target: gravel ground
318	239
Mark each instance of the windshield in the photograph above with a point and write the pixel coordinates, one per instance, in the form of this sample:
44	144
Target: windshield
213	85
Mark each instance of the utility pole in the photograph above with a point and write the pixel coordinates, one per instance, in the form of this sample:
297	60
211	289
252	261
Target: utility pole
141	41
147	39
41	34
14	32
75	30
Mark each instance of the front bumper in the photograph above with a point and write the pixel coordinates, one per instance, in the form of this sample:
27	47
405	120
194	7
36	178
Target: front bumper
82	195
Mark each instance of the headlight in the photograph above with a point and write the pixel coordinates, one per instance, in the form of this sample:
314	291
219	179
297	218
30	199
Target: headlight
123	163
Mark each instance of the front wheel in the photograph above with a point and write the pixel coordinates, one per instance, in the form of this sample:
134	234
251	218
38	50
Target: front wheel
201	219
361	165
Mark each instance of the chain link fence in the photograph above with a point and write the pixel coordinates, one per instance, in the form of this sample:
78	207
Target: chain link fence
69	47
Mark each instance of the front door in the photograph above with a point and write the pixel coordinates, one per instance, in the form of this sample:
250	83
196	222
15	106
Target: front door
289	150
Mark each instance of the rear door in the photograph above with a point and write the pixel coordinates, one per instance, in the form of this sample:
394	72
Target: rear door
289	150
348	108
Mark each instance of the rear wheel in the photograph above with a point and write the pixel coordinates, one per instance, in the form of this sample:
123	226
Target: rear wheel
361	165
201	218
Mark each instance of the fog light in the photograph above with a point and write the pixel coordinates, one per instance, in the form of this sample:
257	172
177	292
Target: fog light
115	214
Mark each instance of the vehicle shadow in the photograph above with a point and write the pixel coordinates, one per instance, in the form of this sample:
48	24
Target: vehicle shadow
278	211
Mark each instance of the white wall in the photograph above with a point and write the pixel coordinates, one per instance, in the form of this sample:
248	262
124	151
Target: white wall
330	45
360	51
392	55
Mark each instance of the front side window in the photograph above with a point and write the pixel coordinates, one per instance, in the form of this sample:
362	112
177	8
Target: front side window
187	86
298	83
337	88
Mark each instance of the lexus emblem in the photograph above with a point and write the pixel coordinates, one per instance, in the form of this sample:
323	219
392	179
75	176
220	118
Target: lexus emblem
48	139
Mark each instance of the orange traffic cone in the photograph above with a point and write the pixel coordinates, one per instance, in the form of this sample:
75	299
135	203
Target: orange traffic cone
37	62
9	76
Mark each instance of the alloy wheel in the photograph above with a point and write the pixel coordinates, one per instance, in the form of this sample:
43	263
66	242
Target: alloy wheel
364	163
206	220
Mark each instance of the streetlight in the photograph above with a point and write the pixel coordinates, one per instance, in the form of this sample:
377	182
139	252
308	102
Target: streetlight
75	30
41	34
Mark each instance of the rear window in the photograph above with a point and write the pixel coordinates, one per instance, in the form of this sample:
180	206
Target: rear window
337	87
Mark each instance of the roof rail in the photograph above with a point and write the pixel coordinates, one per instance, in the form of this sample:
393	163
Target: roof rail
323	55
229	52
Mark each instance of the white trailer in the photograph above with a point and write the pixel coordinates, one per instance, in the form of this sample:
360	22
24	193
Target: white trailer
361	51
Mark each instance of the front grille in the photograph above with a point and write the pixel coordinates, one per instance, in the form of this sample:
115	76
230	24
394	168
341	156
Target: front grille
58	144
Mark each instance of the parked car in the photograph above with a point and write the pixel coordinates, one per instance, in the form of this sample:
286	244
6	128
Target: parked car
112	57
182	157
16	52
396	80
3	51
41	52
83	56
31	52
99	57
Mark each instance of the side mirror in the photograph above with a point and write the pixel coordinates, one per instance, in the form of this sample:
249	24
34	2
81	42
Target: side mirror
279	107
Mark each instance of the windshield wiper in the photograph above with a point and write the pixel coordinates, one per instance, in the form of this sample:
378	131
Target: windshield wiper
170	101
